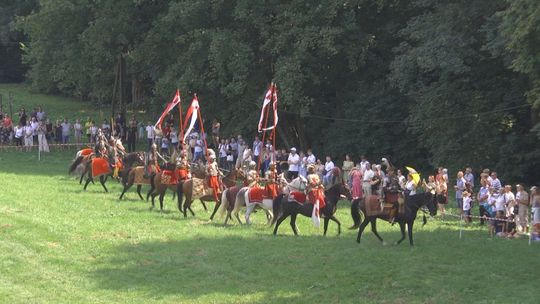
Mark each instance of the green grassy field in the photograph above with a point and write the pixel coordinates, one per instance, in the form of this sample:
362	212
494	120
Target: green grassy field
59	244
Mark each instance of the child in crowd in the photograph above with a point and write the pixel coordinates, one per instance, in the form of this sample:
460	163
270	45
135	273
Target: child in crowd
467	202
165	146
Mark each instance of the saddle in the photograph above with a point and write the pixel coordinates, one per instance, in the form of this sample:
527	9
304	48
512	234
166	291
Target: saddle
375	208
257	194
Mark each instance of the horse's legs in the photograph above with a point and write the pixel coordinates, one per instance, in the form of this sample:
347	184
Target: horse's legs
281	218
361	229
374	229
139	187
402	228
102	180
249	209
218	203
161	195
88	180
191	210
333	218
293	223
82	176
205	208
355	214
326	220
409	229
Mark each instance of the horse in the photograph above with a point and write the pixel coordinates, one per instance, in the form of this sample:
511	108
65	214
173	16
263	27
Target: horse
136	176
195	188
243	199
167	178
283	207
412	204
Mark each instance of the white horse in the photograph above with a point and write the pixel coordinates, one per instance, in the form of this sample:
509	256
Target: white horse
242	198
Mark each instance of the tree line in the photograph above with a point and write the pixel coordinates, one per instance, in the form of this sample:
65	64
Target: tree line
425	82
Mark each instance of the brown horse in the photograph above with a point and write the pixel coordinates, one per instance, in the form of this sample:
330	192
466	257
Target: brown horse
160	182
136	176
196	188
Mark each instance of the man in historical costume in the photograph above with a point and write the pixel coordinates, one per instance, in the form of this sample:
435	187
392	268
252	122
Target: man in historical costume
151	161
117	158
252	177
271	181
182	165
213	174
315	187
391	190
100	147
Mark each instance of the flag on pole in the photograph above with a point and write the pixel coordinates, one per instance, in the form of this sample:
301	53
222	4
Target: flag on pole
270	100
191	116
176	100
315	217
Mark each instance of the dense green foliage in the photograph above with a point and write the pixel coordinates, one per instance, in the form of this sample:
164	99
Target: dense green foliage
426	82
59	244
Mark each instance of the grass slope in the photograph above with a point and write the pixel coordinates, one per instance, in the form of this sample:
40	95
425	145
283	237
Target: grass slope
59	244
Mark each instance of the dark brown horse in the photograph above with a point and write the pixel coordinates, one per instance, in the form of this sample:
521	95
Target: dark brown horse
412	204
284	208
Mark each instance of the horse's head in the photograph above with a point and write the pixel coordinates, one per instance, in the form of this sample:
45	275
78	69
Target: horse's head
298	184
431	203
339	189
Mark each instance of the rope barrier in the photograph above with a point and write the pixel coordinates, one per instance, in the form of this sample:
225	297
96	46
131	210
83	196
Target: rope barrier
482	217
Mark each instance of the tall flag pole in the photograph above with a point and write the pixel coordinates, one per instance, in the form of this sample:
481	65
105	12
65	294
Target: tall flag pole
270	101
193	115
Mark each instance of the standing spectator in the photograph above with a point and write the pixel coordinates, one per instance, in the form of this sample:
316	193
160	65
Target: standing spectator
319	166
131	135
93	131
328	167
469	177
303	164
366	180
535	204
467	201
158	136
364	164
28	137
58	132
460	187
150	135
494	181
40	115
66	130
77	128
355	177
401	179
165	146
234	148
522	198
311	159
19	136
294	162
483	201
348	165
42	138
257	147
35	125
509	200
222	150
283	165
7	126
87	126
199	151
140	136
241	148
22	117
50	130
230	158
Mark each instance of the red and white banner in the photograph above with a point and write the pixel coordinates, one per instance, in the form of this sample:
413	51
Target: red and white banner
270	100
176	100
192	115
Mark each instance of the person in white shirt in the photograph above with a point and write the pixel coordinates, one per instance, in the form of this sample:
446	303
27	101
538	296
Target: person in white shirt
294	164
467	201
522	198
364	164
494	182
28	137
93	132
366	179
150	134
19	135
509	200
257	147
77	127
410	186
328	167
34	125
311	159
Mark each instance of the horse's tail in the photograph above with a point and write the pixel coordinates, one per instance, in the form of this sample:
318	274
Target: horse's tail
75	164
276	208
224	203
180	193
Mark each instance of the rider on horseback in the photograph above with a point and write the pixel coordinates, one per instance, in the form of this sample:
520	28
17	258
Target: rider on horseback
391	190
213	173
271	181
182	163
315	187
151	161
252	177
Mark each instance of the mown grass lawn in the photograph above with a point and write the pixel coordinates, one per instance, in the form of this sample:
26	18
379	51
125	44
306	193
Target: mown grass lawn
59	244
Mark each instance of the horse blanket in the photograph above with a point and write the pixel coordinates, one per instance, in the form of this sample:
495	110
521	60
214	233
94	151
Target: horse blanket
373	206
200	188
168	177
86	151
139	176
258	194
296	196
100	166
